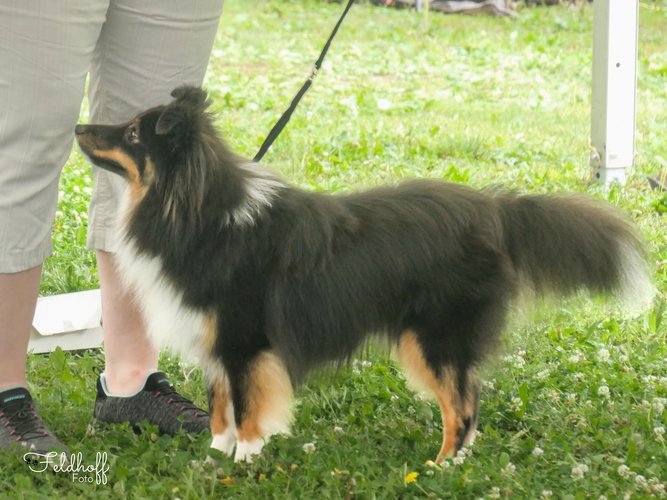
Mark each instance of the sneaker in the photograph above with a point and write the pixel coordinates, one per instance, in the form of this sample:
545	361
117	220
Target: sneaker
21	427
157	402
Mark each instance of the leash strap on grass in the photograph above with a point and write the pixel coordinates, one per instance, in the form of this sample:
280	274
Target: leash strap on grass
280	125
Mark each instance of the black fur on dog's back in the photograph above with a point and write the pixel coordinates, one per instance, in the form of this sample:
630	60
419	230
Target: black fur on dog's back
309	277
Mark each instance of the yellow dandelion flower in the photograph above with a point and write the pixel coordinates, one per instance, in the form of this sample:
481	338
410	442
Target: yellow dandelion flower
411	478
279	468
294	466
262	477
226	481
430	463
338	473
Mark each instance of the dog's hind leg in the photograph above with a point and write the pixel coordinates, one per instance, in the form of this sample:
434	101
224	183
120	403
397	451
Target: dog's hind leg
455	388
262	397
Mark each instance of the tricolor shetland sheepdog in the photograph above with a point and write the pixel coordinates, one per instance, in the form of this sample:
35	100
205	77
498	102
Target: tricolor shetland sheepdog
262	281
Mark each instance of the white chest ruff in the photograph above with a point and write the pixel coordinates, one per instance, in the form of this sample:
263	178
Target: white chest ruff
169	323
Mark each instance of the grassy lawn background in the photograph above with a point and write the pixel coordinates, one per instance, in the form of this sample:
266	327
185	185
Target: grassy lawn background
573	406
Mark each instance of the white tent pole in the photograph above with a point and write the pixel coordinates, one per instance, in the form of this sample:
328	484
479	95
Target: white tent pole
615	32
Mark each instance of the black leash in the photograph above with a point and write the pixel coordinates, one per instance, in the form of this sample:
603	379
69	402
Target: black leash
280	125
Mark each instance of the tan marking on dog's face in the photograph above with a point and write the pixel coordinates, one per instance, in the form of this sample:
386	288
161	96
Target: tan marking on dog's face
221	399
419	374
137	188
149	171
123	159
269	399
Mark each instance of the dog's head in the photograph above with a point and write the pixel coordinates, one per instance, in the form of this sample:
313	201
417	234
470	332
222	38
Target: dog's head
167	147
146	147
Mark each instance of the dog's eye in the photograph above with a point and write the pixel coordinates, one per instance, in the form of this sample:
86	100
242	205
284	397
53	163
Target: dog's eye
133	134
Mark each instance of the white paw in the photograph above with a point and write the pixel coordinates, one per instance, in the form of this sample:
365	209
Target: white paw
246	449
470	438
225	442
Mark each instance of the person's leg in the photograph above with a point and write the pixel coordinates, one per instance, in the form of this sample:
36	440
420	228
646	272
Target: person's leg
129	355
18	297
45	52
145	50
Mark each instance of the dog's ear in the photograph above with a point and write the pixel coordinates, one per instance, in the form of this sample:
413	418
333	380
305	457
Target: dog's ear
190	102
194	97
171	119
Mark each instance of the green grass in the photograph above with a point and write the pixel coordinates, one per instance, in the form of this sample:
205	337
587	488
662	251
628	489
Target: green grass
476	100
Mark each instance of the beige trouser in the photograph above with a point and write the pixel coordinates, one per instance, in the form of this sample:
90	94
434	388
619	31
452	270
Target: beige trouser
136	51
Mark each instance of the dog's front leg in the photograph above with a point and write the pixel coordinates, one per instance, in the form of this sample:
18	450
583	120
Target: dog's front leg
262	395
223	427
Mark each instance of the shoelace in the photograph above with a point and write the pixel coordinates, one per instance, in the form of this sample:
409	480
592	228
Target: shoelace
175	397
25	422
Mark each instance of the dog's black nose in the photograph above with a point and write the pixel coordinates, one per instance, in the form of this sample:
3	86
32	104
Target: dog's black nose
80	129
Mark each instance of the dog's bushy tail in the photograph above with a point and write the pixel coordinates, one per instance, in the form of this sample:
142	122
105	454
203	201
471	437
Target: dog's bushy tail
563	243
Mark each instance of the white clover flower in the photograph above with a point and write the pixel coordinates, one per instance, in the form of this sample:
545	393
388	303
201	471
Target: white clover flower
538	452
309	448
604	391
338	430
571	398
76	189
603	355
623	358
517	403
495	492
87	191
659	432
421	397
641	481
576	358
547	493
578	471
542	375
623	471
429	472
508	470
489	383
458	460
554	396
602	497
659	405
521	353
